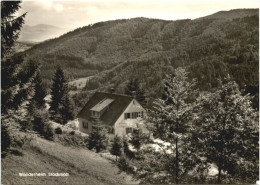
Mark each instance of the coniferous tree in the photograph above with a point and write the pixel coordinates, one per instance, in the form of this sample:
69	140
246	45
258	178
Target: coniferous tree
97	139
39	91
67	110
171	115
10	25
61	109
133	87
16	73
116	147
37	101
136	139
226	134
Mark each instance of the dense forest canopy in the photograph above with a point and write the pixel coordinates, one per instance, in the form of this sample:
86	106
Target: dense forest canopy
114	51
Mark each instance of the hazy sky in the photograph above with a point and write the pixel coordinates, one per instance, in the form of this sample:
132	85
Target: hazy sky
73	14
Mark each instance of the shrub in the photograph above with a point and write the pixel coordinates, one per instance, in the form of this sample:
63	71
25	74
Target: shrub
17	152
42	126
116	147
41	117
72	133
72	140
26	125
48	131
136	139
126	149
58	130
19	140
5	138
123	165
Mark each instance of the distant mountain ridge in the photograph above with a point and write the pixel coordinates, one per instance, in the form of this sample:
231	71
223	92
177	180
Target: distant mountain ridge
232	14
40	32
114	51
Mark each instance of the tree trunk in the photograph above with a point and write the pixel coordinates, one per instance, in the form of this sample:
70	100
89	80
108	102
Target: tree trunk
177	153
219	174
177	162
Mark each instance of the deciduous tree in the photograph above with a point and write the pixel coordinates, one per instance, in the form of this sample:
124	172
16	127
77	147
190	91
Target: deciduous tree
226	133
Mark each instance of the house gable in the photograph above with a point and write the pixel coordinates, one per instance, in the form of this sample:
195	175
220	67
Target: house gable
123	123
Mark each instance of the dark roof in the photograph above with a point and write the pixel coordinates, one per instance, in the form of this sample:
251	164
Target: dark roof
116	108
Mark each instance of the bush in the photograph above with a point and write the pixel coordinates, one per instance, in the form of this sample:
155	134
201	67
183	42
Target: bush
19	140
123	165
58	130
72	133
42	126
48	132
16	152
136	139
116	147
41	117
5	138
26	125
126	149
72	140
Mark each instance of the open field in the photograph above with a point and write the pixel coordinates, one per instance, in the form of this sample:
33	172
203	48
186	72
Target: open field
81	82
42	156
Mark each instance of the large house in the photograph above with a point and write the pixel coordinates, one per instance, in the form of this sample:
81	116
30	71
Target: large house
120	114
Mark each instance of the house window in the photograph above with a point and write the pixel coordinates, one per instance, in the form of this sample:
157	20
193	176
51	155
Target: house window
85	125
140	114
112	130
95	114
127	115
128	130
134	115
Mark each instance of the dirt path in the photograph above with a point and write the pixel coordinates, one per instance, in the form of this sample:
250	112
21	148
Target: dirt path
42	156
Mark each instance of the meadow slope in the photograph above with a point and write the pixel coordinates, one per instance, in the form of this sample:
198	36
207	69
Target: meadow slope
42	156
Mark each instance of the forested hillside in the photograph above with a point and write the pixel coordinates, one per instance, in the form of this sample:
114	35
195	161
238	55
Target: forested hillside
114	51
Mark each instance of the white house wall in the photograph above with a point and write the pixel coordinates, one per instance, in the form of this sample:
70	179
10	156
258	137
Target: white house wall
121	124
81	128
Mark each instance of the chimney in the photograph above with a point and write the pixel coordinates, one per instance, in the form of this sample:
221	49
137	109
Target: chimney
134	94
112	90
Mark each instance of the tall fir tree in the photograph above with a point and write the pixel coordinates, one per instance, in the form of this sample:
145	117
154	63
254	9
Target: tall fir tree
61	109
116	147
37	101
10	25
171	115
226	134
39	91
67	109
133	89
16	74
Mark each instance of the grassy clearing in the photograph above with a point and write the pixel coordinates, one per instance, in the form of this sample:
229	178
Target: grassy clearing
81	82
42	156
